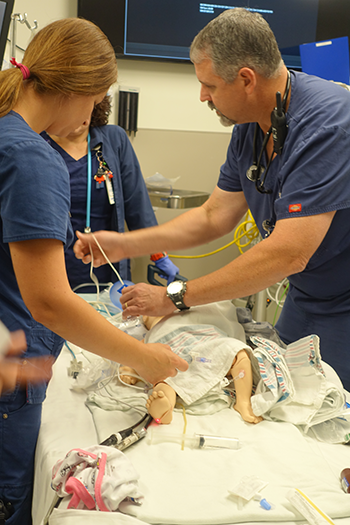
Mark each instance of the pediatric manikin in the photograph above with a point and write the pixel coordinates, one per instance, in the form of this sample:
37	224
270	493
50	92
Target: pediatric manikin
162	400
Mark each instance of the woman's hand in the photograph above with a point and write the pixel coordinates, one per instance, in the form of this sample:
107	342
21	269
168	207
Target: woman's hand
14	370
159	362
109	242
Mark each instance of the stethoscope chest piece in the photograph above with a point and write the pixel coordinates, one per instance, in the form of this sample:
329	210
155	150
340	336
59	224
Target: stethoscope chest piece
252	172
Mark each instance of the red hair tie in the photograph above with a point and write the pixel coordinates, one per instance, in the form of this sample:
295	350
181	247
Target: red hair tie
25	71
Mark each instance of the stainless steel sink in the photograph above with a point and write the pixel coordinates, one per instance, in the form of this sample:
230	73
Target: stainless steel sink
178	199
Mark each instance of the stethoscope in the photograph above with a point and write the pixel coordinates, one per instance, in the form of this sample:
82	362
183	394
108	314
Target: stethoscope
87	228
256	170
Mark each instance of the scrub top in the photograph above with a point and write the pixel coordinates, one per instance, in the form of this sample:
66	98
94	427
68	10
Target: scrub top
310	177
132	203
34	204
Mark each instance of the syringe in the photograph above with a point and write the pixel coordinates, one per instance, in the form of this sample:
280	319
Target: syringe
196	441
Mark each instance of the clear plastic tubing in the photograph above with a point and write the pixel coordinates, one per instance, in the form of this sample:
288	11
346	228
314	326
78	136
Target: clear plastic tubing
196	441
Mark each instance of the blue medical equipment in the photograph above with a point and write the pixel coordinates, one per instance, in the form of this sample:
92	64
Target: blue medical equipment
115	292
328	59
152	270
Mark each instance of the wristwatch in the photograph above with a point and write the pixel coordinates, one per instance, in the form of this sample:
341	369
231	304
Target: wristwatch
176	291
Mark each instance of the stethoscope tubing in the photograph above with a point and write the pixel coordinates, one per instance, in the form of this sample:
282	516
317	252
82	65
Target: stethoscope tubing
88	191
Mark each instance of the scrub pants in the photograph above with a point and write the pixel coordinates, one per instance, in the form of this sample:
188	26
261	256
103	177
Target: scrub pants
19	428
332	329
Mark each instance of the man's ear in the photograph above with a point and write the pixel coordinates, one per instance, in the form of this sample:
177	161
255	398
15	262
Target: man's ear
248	78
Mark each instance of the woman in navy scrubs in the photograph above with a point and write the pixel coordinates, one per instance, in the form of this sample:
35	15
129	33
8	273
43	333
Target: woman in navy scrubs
54	89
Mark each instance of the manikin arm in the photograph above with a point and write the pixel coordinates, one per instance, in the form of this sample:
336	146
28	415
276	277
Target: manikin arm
242	376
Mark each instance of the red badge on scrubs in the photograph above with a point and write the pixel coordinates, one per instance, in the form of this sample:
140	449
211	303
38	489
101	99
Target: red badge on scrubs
294	207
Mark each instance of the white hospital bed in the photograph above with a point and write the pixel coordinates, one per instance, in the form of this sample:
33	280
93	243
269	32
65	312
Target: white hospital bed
190	487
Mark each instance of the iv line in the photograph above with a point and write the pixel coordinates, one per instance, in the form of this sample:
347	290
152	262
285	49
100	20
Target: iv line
108	261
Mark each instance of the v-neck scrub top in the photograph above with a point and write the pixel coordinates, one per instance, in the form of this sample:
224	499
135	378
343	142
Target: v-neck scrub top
34	204
132	202
310	177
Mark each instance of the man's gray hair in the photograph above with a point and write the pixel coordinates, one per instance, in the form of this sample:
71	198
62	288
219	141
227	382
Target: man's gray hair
238	38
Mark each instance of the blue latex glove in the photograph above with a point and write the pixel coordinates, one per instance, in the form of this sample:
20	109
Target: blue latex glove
170	270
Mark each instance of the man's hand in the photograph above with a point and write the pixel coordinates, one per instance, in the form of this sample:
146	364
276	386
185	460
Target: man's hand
145	299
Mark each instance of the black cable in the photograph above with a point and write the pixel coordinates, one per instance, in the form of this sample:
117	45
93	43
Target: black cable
114	439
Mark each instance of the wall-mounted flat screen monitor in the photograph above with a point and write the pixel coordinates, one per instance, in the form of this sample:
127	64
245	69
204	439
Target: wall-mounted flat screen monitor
6	7
164	29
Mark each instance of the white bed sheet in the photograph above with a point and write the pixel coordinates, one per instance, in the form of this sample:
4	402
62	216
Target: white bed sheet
184	487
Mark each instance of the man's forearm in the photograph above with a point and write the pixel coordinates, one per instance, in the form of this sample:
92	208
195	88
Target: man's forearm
260	267
188	230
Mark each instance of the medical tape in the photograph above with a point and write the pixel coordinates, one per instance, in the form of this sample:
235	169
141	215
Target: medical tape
308	509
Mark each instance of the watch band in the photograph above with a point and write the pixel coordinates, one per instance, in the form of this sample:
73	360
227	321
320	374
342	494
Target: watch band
177	298
180	304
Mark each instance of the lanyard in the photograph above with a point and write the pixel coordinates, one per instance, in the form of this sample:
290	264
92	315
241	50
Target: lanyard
103	175
106	176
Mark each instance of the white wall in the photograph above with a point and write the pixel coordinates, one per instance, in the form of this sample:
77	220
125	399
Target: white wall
169	96
44	11
169	92
178	135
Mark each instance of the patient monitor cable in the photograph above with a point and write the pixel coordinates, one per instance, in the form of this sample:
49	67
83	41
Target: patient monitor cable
241	231
248	229
128	436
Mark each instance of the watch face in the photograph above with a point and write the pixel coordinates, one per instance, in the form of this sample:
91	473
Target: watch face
175	287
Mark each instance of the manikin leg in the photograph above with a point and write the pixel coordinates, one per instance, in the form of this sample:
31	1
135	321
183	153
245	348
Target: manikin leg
161	402
241	372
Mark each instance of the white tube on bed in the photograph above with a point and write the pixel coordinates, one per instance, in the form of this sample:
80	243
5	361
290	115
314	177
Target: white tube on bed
308	509
195	441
